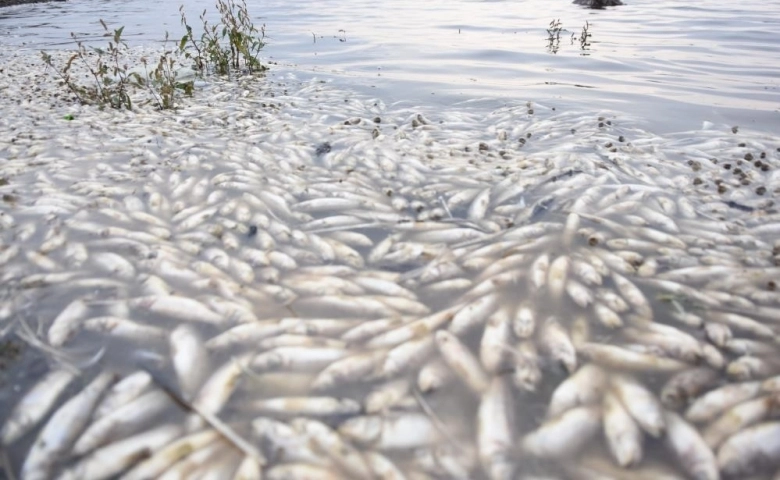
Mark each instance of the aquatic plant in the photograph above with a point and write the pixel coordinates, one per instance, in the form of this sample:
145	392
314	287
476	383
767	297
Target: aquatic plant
232	45
113	78
584	37
554	36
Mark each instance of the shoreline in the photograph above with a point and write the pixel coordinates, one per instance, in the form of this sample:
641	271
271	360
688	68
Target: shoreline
11	3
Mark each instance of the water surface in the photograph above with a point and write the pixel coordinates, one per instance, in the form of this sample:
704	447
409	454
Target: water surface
674	65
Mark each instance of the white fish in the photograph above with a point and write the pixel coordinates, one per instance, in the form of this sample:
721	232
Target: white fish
308	406
715	402
407	355
302	471
382	467
62	429
538	276
640	403
246	333
687	385
178	308
386	395
123	392
739	417
123	328
434	375
495	430
391	431
527	374
324	439
190	359
462	361
125	420
114	264
608	317
584	387
218	389
753	449
565	435
248	469
633	295
65	325
684	441
287	444
118	456
556	342
492	351
624	437
348	370
557	276
35	404
578	292
623	359
524	321
297	359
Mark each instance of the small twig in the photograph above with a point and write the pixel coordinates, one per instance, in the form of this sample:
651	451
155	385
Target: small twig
9	471
446	208
224	429
436	420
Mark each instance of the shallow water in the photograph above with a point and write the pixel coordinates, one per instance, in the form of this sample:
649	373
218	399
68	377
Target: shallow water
673	65
444	163
439	188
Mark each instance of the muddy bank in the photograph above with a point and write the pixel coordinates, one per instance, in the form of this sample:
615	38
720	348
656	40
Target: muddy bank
8	3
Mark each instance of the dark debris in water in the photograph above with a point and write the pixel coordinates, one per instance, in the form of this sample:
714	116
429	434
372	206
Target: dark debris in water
9	351
739	206
322	149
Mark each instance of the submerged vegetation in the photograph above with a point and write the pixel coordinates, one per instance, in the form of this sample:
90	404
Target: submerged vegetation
554	30
231	46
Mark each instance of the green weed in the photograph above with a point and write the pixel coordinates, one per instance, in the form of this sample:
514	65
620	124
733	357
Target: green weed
231	46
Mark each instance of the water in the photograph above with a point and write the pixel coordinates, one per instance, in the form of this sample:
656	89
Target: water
182	197
672	65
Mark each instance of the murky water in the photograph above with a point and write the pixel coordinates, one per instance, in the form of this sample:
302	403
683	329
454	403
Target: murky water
673	65
424	269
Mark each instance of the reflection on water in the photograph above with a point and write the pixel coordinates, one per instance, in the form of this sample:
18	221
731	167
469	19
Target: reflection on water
675	65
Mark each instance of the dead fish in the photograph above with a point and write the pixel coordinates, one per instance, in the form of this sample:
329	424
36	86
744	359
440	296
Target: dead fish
118	456
495	430
687	385
190	359
391	431
462	361
35	404
751	450
62	429
123	421
556	343
565	435
584	387
640	403
624	359
624	437
739	417
715	402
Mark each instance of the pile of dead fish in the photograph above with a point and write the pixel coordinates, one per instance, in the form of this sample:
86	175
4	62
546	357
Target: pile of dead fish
287	281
